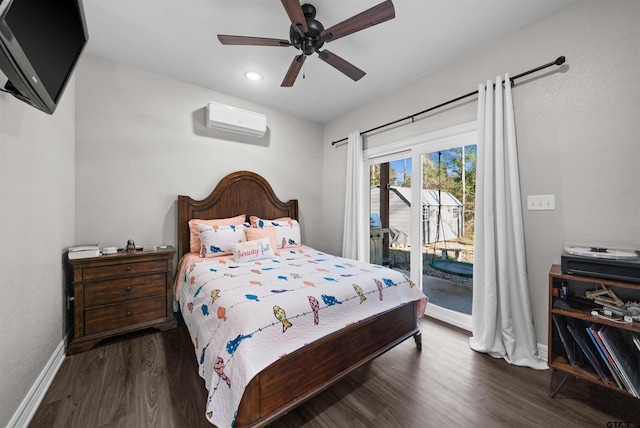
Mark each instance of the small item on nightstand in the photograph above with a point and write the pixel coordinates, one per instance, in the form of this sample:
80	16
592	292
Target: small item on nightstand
131	246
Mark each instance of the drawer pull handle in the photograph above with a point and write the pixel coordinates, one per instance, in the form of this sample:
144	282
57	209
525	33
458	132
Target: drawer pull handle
127	288
128	313
128	268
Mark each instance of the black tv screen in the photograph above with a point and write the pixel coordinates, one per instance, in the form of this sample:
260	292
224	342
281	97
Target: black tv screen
41	41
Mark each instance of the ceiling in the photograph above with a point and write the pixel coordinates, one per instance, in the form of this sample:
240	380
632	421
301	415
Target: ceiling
177	38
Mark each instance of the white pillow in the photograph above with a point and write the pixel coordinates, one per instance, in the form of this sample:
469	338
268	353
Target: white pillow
249	251
287	232
217	240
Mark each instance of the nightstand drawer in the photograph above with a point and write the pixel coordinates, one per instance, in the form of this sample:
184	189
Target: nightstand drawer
123	269
116	316
118	290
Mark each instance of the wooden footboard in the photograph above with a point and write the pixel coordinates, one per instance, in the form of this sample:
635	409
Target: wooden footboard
299	376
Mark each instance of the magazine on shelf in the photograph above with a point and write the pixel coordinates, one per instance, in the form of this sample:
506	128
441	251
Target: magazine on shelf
571	350
586	345
592	330
621	347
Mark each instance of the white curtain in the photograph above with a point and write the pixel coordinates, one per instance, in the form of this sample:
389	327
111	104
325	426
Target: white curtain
355	226
502	322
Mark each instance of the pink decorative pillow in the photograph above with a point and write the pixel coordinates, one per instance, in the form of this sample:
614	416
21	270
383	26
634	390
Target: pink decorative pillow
253	250
254	220
194	237
253	234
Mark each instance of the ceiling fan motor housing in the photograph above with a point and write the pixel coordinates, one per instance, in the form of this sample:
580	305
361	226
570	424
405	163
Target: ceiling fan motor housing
311	40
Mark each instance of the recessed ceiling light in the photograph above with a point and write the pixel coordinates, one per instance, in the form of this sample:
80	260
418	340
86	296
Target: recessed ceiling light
252	75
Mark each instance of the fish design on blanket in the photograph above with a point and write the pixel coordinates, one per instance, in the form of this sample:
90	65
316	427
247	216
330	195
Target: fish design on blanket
389	283
330	300
315	308
232	345
256	271
411	283
281	316
282	277
252	297
213	270
295	276
255	283
309	283
198	291
205	310
284	242
359	292
379	285
230	275
215	295
202	354
329	279
222	313
191	267
218	367
190	306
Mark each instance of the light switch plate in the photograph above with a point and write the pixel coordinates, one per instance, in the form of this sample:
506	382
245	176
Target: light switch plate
541	202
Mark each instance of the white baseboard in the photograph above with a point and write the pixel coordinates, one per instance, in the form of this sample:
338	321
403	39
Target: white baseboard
30	403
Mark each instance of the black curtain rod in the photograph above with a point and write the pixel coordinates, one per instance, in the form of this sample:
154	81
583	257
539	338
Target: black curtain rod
559	61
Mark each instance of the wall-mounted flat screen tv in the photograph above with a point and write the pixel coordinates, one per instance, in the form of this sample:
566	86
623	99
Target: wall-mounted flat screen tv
40	43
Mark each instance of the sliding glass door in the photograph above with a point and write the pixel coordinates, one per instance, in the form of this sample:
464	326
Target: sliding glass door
422	208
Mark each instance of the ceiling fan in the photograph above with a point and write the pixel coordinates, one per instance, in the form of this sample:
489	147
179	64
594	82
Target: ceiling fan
309	35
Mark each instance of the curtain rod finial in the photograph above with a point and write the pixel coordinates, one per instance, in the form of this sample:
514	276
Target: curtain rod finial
560	60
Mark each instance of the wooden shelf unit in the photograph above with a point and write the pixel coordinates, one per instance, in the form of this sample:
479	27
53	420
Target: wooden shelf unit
577	285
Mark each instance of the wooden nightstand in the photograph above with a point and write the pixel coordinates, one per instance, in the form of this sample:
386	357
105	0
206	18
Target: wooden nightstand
121	293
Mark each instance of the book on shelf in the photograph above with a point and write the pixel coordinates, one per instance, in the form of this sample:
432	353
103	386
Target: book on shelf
570	347
586	346
592	330
622	349
636	339
83	251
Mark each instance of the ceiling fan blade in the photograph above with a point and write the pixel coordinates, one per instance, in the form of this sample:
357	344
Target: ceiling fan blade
370	17
293	71
340	64
251	41
294	10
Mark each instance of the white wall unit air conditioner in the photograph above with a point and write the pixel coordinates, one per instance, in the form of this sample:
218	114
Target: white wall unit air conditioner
227	118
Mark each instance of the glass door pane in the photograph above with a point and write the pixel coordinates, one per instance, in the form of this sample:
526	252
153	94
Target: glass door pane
390	212
448	201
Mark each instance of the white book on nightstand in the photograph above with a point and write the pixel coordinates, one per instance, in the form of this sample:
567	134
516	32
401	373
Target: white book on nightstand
83	251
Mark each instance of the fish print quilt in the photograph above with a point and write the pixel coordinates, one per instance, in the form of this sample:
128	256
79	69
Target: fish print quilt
244	316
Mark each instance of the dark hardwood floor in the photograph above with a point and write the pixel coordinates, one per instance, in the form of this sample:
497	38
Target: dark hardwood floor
151	380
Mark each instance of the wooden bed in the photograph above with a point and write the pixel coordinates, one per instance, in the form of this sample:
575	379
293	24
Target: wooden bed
272	394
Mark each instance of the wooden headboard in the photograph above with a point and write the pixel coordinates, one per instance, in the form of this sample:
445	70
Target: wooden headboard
241	192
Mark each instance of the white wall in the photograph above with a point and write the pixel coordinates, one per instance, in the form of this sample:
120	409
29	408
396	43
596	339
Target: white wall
36	226
141	142
578	130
